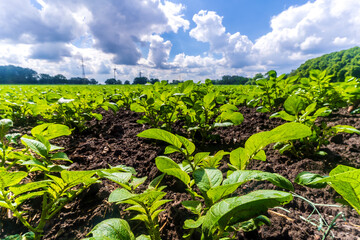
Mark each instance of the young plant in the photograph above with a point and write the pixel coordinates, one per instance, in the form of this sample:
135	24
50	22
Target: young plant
218	213
147	205
203	115
296	110
6	151
274	89
55	185
345	180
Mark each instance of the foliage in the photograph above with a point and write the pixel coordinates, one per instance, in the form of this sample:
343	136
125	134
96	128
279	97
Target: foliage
275	90
216	211
297	110
345	180
338	64
55	185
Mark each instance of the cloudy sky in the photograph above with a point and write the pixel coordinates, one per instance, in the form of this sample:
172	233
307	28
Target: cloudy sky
173	39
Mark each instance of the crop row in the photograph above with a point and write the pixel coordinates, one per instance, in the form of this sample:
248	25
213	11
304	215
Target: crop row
218	212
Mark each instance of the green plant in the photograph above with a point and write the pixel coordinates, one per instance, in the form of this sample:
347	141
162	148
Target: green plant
55	184
203	115
218	213
345	180
297	110
147	205
274	89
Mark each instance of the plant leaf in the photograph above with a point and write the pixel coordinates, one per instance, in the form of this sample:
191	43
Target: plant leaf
207	178
242	176
238	209
168	166
162	135
113	229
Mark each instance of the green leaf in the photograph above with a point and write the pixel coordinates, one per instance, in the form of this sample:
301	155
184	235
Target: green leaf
73	178
310	179
162	135
119	195
235	117
154	184
121	178
35	145
242	176
60	156
238	209
113	229
194	206
238	158
254	223
191	224
208	99
27	196
207	178
158	204
135	107
223	124
168	166
171	149
284	115
199	157
5	125
220	192
137	182
8	179
294	104
28	187
51	130
285	132
36	164
260	156
189	146
345	128
346	181
143	237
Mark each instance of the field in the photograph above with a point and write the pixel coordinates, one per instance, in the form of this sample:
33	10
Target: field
189	160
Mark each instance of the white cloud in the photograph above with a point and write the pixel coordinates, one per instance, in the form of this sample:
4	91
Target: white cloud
235	48
310	30
129	34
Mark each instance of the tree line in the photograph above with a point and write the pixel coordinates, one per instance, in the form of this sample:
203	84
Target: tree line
18	75
339	64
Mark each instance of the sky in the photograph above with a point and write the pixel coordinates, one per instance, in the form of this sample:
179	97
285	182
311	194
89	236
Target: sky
173	39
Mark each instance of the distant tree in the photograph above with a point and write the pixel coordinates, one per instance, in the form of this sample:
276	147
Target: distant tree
45	79
59	79
93	81
154	80
355	71
110	81
127	82
140	80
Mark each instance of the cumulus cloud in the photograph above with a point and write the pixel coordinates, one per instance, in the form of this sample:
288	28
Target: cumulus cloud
159	52
50	51
116	27
130	35
309	30
235	48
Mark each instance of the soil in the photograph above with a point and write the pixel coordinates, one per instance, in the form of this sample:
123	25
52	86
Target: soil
113	141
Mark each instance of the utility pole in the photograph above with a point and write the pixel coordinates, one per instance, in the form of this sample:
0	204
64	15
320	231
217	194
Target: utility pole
140	74
83	67
115	73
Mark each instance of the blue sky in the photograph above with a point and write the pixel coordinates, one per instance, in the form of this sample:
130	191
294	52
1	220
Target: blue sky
173	39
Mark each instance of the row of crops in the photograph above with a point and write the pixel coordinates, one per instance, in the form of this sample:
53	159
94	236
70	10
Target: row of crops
217	212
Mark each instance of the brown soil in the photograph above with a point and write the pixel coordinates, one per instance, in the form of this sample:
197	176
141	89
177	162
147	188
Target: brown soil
113	141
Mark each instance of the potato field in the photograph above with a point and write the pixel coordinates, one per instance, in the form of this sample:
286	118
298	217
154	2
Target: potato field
278	159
